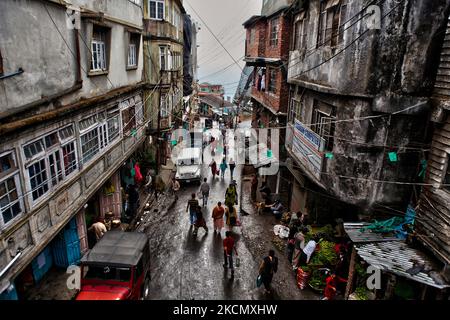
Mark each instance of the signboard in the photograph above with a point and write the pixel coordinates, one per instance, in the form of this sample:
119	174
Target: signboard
308	147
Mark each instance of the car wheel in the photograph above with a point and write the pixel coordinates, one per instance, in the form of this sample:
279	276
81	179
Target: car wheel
146	289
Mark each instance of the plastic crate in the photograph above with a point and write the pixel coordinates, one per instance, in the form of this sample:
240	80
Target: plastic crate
44	257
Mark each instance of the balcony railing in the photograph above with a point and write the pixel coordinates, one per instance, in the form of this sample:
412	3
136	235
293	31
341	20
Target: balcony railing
163	29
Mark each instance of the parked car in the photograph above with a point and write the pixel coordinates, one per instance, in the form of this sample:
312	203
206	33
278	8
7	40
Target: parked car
116	268
189	165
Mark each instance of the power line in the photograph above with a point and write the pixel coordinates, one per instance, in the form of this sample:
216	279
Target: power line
209	29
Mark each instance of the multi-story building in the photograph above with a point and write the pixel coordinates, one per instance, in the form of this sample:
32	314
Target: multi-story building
360	88
163	52
267	52
71	114
190	71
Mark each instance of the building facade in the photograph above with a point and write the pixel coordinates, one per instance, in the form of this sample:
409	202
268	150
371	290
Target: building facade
71	113
163	51
433	214
359	99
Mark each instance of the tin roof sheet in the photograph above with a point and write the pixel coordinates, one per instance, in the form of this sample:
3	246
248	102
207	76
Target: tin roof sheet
353	230
398	258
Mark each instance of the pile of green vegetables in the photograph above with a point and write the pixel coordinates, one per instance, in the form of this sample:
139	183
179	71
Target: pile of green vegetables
326	256
318	280
362	293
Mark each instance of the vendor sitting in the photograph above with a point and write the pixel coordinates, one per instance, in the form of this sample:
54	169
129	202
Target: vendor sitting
277	208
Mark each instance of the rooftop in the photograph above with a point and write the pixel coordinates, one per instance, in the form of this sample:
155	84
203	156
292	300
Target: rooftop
118	248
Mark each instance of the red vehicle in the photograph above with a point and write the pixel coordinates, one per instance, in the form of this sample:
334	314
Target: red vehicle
117	268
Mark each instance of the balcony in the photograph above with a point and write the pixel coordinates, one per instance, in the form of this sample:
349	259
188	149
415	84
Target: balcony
162	29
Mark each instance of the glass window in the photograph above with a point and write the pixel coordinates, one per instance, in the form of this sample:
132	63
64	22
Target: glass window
89	145
323	122
10	204
69	158
6	163
66	133
98	49
156	9
38	179
51	140
33	149
108	273
274	28
113	128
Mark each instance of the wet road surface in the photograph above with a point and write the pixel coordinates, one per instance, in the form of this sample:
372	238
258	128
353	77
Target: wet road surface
190	267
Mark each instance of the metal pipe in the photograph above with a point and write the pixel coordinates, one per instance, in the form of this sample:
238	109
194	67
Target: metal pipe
12	74
5	269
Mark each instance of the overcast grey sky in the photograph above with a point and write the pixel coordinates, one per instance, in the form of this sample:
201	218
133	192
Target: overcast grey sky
224	18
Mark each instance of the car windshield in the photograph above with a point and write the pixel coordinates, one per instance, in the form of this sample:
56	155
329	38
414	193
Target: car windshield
188	162
107	273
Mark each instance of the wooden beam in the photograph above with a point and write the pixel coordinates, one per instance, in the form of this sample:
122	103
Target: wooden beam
351	273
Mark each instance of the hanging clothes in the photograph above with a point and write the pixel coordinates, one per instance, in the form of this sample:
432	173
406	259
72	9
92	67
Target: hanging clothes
137	176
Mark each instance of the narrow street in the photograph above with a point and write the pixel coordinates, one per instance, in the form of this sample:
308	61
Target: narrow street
189	267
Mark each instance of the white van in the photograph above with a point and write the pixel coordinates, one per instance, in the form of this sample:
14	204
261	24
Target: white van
189	165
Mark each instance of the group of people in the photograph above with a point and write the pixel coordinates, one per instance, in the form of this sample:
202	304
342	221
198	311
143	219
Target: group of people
222	168
218	213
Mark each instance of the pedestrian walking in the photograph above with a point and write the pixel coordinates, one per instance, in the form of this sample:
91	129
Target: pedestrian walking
232	167
231	215
217	215
175	188
213	145
231	195
192	207
223	168
200	221
268	267
228	247
133	201
204	189
213	166
254	187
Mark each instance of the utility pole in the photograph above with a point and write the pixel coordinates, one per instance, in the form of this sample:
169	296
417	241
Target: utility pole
158	136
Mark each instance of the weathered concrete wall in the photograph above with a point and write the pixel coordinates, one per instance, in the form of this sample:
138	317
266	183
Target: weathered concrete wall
29	40
399	57
360	151
49	63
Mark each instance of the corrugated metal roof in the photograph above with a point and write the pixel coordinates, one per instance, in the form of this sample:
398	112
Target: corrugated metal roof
354	232
397	258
